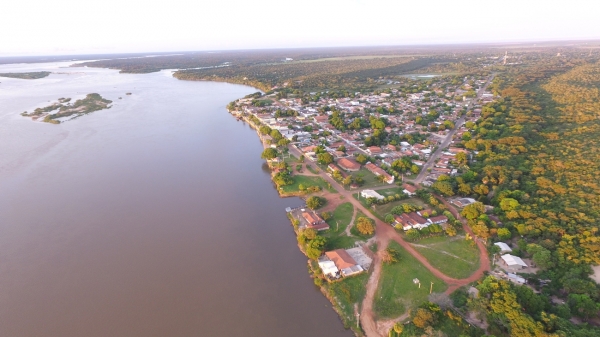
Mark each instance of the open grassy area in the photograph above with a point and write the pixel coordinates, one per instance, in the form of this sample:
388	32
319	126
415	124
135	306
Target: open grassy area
386	192
370	180
347	292
464	258
290	159
336	236
307	182
396	292
381	210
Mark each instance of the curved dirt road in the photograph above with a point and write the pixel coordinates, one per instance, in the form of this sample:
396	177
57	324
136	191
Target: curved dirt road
384	233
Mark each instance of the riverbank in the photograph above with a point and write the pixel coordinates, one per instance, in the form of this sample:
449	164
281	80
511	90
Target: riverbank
328	289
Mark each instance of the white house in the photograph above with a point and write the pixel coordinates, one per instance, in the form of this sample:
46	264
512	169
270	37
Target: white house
371	194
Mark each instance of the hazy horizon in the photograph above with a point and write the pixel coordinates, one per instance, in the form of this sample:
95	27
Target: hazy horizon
65	27
150	53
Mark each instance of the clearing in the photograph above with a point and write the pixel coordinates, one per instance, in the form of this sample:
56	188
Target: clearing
307	182
453	256
396	292
336	235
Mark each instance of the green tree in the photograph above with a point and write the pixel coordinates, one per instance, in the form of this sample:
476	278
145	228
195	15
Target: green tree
310	233
583	306
365	226
325	158
504	234
422	318
508	204
412	234
315	247
443	187
315	202
269	154
361	159
473	211
398	328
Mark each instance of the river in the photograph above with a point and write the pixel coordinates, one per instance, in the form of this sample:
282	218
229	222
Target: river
156	217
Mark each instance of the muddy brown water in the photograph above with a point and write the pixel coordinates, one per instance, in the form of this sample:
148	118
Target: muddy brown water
153	218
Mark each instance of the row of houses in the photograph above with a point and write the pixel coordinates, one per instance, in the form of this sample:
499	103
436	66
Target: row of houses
419	220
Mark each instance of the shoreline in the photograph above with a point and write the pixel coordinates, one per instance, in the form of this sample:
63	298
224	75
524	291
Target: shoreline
334	303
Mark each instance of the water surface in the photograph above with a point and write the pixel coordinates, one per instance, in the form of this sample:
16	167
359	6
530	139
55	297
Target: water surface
153	218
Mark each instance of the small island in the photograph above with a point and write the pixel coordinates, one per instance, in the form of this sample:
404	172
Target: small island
63	110
27	76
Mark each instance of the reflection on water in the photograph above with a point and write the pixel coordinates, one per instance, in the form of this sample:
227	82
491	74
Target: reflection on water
153	218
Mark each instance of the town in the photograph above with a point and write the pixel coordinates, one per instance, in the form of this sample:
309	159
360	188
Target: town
368	155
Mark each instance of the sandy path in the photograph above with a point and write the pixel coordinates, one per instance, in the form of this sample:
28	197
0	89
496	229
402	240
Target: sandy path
349	227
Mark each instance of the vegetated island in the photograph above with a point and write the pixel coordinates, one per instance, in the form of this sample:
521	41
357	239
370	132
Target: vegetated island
27	76
60	111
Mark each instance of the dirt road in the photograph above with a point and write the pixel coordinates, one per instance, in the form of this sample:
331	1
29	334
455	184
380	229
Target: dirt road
383	234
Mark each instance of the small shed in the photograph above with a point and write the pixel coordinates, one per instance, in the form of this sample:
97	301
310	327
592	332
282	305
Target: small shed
504	248
513	262
328	267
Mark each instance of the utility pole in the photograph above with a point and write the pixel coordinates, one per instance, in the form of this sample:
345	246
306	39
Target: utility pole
431	288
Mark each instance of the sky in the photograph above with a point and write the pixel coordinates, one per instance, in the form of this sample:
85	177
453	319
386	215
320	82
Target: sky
59	27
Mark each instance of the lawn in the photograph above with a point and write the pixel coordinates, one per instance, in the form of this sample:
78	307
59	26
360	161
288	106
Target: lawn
347	292
386	192
336	237
463	262
307	182
370	180
396	292
380	211
290	159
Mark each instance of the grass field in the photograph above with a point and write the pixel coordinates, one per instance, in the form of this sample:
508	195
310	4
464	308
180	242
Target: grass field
381	210
385	209
307	182
396	292
347	292
336	237
290	159
370	180
461	264
386	192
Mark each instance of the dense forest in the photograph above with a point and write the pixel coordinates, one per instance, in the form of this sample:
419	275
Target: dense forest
537	163
306	69
326	75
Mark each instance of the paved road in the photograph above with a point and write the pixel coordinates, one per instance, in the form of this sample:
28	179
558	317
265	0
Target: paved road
459	123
